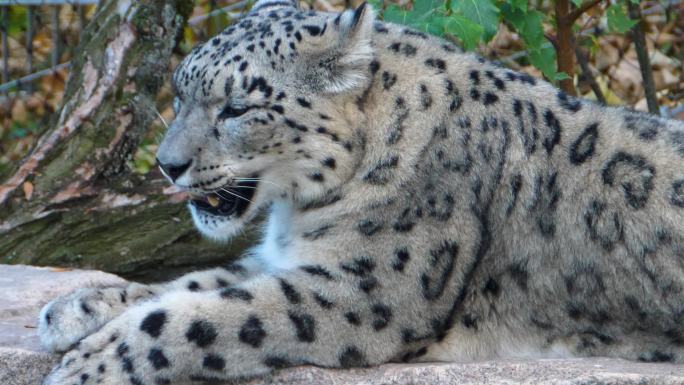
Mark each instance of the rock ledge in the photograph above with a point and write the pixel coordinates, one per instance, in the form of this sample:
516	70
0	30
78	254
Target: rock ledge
22	362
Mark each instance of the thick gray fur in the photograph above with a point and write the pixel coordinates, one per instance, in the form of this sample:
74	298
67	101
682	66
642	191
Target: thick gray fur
425	204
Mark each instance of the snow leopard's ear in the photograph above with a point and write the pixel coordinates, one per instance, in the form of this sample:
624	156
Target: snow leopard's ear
345	65
272	4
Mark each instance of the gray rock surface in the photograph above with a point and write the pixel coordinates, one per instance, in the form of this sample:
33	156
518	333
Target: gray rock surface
22	362
24	290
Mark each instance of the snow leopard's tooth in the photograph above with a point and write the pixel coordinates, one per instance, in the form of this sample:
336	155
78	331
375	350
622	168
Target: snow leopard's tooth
213	201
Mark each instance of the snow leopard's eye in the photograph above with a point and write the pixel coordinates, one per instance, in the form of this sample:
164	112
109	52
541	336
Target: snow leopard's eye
232	112
176	105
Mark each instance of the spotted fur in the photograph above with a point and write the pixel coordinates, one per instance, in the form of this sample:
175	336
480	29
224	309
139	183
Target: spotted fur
423	204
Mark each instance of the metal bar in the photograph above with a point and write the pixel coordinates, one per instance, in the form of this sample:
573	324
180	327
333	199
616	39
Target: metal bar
5	45
29	78
29	45
198	19
46	2
55	36
81	20
7	85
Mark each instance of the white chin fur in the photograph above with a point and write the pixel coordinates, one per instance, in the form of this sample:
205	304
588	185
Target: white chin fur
215	227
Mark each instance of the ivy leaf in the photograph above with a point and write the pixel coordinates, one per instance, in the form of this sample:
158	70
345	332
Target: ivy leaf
618	21
469	32
482	12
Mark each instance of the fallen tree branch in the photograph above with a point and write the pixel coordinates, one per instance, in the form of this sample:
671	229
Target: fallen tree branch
92	92
74	201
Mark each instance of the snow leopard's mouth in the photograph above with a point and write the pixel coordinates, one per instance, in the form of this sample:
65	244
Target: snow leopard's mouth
226	201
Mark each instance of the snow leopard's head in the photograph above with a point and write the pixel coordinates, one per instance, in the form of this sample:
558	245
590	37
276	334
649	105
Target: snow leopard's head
264	111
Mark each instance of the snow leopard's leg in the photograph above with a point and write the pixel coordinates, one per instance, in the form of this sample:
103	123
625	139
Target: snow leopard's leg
321	315
68	319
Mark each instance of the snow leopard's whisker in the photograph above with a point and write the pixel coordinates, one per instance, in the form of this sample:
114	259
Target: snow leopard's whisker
159	115
257	180
224	197
231	193
238	186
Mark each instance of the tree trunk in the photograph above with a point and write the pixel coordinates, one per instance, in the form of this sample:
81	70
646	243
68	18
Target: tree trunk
73	201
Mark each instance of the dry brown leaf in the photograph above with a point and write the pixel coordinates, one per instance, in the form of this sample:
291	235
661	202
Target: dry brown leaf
664	78
34	102
627	79
19	113
658	59
28	190
641	105
42	44
60	269
606	56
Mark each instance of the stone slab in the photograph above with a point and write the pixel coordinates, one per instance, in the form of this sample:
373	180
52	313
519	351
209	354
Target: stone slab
22	361
24	290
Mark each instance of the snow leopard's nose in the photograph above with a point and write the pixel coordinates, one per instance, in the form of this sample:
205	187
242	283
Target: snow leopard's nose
173	171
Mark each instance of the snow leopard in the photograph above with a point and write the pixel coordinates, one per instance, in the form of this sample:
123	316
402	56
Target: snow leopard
423	204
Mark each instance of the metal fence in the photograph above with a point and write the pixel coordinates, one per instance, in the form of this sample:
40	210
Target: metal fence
31	74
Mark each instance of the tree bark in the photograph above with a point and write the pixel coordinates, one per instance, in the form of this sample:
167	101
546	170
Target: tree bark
73	201
565	46
565	40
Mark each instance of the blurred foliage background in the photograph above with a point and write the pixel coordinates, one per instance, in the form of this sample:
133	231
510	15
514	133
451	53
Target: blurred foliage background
521	34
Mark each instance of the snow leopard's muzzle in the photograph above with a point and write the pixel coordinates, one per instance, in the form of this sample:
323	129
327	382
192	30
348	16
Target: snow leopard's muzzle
226	201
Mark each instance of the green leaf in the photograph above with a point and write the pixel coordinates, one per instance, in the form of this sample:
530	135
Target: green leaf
514	16
518	4
427	6
18	131
395	14
376	4
482	12
577	2
533	30
436	25
544	59
469	32
561	76
17	20
618	21
426	15
528	24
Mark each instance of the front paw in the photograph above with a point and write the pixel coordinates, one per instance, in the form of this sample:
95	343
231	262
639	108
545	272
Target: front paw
68	319
95	360
117	354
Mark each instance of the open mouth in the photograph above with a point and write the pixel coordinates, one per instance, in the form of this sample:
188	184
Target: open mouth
226	201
